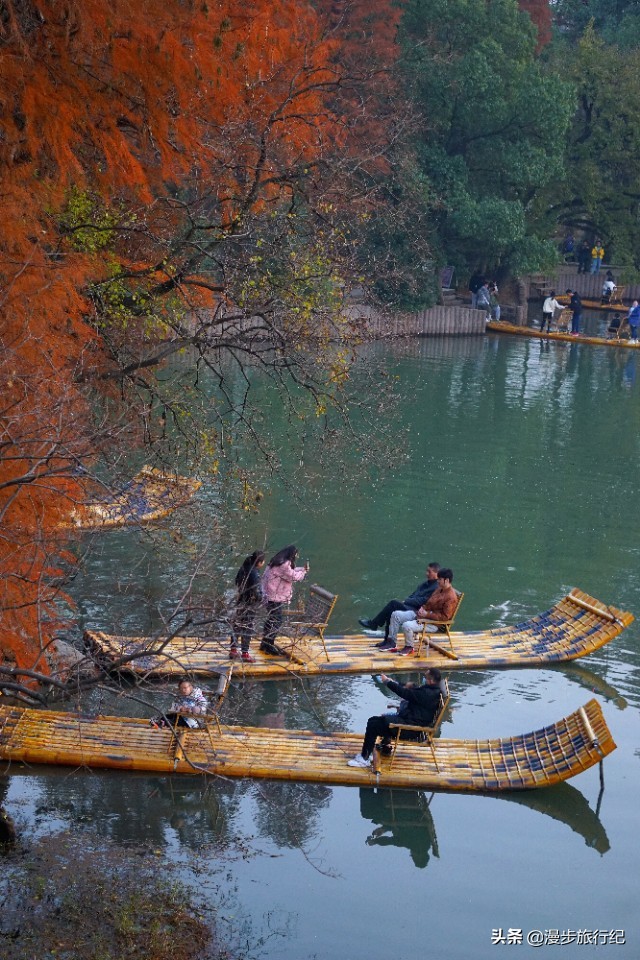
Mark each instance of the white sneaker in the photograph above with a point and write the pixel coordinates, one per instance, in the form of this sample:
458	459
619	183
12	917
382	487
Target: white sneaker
373	633
359	761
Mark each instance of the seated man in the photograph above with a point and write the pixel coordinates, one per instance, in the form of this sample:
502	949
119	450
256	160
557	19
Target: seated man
440	606
419	707
413	602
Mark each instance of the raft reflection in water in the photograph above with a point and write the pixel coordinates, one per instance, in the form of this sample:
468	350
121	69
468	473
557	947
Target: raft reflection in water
404	818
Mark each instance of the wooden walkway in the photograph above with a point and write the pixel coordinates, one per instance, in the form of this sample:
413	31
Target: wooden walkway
541	758
574	627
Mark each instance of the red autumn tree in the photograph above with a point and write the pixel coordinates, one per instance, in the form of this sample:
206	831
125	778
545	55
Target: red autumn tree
540	13
170	180
109	111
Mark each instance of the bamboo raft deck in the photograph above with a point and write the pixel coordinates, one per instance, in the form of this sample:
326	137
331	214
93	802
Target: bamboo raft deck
538	759
574	627
504	327
150	495
612	307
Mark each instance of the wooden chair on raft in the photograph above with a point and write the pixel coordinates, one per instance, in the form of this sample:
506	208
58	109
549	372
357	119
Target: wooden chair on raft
215	699
444	626
422	734
311	620
564	321
616	333
615	297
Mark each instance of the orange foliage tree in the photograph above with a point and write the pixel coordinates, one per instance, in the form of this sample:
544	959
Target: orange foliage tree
540	13
173	173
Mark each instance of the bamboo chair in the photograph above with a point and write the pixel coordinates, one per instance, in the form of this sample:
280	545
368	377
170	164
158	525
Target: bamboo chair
308	621
422	734
617	334
444	626
615	297
215	700
564	321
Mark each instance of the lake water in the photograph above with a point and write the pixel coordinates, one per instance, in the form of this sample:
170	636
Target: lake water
522	475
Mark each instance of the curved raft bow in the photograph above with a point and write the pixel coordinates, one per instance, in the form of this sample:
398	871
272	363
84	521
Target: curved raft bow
538	759
574	627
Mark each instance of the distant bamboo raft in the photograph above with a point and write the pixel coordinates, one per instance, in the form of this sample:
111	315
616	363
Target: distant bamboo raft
608	306
151	495
502	327
574	627
538	759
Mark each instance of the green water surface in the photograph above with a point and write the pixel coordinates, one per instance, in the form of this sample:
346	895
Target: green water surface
520	471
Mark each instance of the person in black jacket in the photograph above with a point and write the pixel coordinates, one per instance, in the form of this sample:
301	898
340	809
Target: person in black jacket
475	283
419	707
413	602
248	600
575	305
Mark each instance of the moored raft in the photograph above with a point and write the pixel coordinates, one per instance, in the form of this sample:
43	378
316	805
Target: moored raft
574	627
609	306
500	326
150	495
541	758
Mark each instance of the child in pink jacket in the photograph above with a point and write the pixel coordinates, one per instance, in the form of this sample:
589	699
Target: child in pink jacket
277	589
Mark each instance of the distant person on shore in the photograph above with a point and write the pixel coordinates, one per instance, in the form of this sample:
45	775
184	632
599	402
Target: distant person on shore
440	606
248	601
597	256
190	700
575	305
568	248
475	283
483	298
277	590
413	603
549	307
419	707
494	303
584	257
633	319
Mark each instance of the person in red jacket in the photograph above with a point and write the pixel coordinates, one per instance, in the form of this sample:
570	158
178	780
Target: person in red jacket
440	606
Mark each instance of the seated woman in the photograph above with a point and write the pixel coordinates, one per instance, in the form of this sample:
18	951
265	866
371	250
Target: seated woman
189	703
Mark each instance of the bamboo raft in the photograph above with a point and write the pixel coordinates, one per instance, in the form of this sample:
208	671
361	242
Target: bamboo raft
610	306
151	495
574	627
503	327
538	759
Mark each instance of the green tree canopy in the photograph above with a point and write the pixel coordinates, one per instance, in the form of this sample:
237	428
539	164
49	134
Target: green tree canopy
616	21
494	121
602	190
